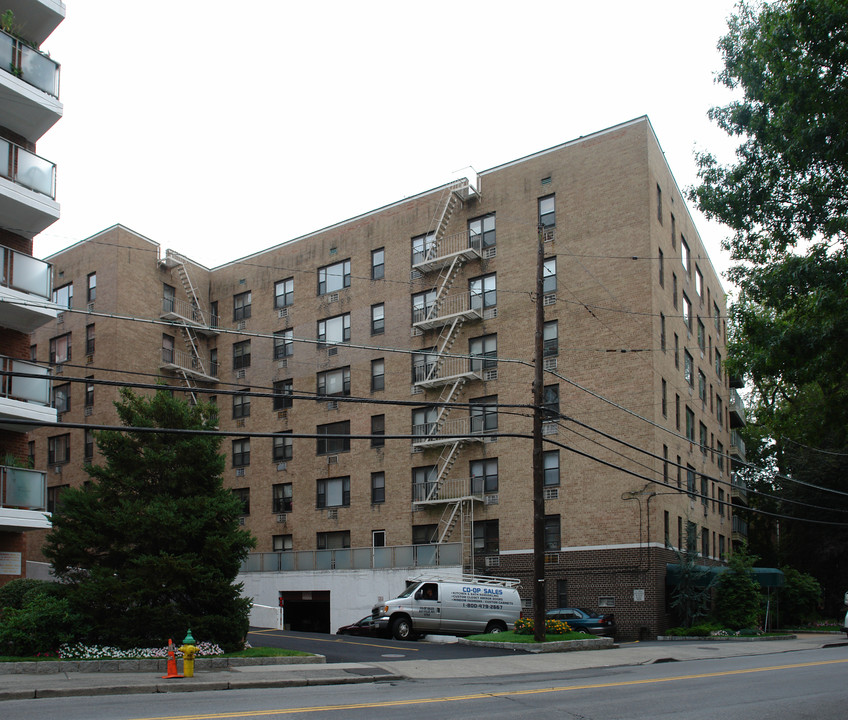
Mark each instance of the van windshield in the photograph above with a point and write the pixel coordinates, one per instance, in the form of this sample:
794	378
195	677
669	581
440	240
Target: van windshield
412	588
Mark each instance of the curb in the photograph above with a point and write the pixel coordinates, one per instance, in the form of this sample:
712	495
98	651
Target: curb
725	638
49	667
557	646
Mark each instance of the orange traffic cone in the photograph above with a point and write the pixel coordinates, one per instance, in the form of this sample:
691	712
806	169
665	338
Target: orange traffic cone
172	662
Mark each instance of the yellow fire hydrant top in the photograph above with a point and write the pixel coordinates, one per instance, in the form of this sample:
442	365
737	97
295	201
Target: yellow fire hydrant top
189	650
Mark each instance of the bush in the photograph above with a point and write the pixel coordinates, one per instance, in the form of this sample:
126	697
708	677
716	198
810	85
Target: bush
800	597
738	601
40	625
526	626
702	630
13	593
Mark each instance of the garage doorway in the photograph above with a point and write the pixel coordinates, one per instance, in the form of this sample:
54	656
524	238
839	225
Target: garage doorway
306	611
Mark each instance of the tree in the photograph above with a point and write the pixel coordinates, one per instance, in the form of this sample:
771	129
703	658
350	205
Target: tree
785	198
738	602
152	547
692	592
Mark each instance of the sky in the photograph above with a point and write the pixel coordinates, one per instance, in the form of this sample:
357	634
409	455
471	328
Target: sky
218	129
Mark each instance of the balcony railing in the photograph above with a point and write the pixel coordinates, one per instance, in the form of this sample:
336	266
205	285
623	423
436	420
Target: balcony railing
448	490
399	556
737	444
28	169
451	430
740	526
30	65
26	273
173	359
737	409
439	254
431	374
182	310
34	390
739	487
448	308
22	488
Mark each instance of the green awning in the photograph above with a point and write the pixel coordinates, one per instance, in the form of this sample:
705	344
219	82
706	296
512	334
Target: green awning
766	577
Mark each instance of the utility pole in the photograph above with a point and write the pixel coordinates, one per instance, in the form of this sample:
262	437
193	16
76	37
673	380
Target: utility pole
538	466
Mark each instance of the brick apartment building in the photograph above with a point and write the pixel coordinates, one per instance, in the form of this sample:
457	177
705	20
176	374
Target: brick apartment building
29	107
374	381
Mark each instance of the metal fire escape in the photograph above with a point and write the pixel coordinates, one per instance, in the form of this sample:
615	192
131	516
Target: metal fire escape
446	313
192	319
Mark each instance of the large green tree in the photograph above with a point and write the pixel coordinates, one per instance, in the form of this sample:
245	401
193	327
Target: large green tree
152	546
785	198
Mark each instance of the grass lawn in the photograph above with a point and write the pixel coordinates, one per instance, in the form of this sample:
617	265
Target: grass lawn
513	637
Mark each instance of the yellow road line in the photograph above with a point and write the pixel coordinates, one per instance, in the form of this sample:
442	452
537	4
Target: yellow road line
484	695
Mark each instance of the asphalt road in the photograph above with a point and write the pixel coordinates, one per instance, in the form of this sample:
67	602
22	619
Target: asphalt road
347	648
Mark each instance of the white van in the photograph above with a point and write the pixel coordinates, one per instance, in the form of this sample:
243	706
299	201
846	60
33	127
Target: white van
450	606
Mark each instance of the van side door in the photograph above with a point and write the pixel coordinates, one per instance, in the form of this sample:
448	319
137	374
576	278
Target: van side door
427	609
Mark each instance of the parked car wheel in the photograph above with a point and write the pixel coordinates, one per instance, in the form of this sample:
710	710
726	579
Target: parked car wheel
402	629
495	626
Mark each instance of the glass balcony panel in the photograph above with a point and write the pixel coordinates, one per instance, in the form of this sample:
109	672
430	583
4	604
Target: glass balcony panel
36	173
361	558
382	557
342	559
426	554
24	489
34	389
40	71
287	561
7	45
27	274
6	167
450	554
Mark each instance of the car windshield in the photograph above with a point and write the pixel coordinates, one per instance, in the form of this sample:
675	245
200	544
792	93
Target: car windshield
412	588
589	613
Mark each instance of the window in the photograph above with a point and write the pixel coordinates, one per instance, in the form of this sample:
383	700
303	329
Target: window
662	332
486	537
659	203
89	391
424	534
718	363
690	479
684	254
486	349
483	291
92	287
481	232
422	305
676	351
550	465
241	306
58	449
687	312
674	290
283	344
281	498
60	348
378	538
550	402
699	283
550	339
64	296
716	317
702	438
62	397
423	364
421	247
665	465
334	382
378	264
378	375
169	298
705	542
667	528
243	494
702	337
284	293
719	410
88	445
241	405
167	348
673	231
423	482
33	353
552	532
677	411
213	362
721	546
333	492
549	276
241	452
281	543
664	398
336	540
690	425
89	339
547	212
334	330
378	488
702	387
54	497
334	438
378	430
688	369
484	414
424	420
721	502
378	319
283	448
661	268
241	355
283	390
334	277
213	313
484	476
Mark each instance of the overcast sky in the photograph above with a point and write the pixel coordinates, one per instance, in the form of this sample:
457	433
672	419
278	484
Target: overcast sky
218	128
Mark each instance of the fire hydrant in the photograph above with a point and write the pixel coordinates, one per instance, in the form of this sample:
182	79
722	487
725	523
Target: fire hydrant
189	650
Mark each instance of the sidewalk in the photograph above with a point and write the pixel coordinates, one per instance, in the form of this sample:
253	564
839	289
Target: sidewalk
48	680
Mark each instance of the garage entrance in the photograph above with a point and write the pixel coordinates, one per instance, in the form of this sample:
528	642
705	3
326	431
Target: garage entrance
306	610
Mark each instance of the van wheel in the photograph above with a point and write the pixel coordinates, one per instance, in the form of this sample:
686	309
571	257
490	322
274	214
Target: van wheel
402	629
496	626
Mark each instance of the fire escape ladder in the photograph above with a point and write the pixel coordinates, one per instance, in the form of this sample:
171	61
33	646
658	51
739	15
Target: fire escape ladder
190	339
466	528
190	384
188	286
448	395
444	343
441	220
450	516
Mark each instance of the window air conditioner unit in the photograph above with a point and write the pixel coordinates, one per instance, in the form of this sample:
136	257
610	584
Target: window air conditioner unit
332	514
491	499
240	374
241	521
549	299
283	312
551	493
283	415
332	459
89	359
239	472
493	561
282	518
550	363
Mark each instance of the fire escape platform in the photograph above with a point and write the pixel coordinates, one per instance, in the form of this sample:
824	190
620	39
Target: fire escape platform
441	380
443	500
446	319
196	373
440	261
175	317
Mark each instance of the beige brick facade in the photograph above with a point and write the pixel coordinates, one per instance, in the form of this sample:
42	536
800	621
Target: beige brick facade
620	283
